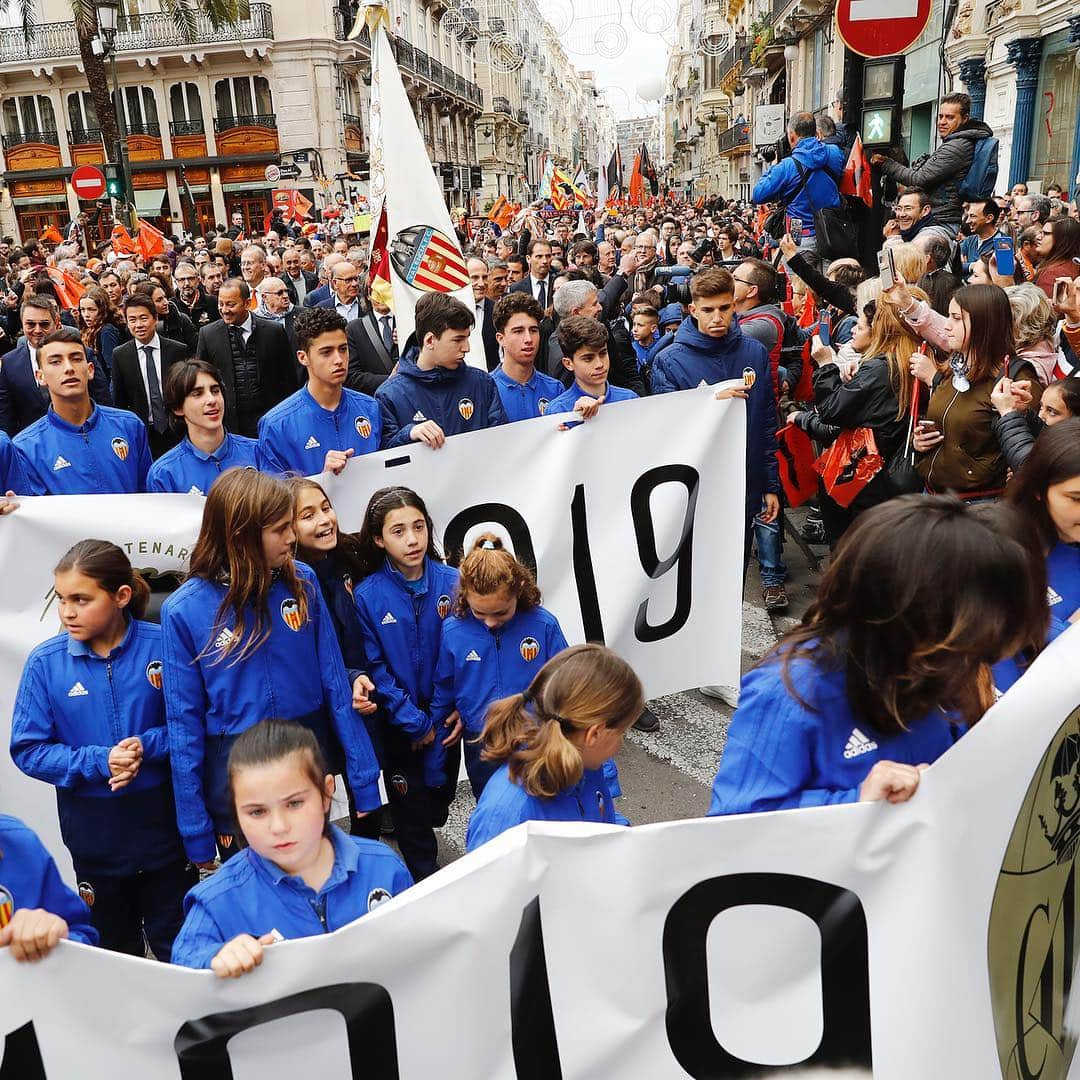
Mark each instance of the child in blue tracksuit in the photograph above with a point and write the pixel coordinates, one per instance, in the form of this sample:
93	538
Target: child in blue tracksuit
324	423
890	664
584	344
196	406
11	474
550	744
525	393
494	645
298	875
239	649
90	720
79	447
709	347
37	910
402	605
434	393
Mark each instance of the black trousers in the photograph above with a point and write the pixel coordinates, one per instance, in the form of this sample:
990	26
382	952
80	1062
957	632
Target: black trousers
135	910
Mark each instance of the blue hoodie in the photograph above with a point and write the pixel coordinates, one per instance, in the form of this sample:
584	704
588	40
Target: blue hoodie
252	895
295	434
71	709
694	358
780	182
402	631
106	455
504	804
297	673
458	400
185	469
29	879
781	753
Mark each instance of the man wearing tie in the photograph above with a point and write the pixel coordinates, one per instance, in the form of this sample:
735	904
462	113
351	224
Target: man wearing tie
139	370
538	280
344	295
373	348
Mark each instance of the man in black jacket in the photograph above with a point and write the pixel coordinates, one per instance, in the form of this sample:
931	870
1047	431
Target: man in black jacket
253	356
373	349
190	299
297	280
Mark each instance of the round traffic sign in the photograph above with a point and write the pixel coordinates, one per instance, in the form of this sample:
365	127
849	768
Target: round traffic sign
88	182
272	174
881	27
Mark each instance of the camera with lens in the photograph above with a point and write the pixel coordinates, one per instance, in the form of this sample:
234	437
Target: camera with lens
674	283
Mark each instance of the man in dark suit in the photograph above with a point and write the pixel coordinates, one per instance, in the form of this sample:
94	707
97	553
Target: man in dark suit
298	282
22	400
478	278
373	349
538	281
253	356
344	296
323	292
190	299
140	369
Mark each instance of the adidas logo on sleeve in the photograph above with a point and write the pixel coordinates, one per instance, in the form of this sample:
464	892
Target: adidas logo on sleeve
61	462
78	690
858	744
312	443
388	619
473	655
1052	596
418	417
223	639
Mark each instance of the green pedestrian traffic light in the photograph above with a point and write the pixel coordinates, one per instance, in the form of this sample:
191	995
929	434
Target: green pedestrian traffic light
114	181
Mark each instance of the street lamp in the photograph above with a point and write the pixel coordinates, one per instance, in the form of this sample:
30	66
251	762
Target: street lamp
108	19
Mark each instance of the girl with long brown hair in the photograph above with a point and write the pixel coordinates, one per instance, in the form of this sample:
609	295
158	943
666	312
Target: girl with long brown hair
100	328
247	636
550	742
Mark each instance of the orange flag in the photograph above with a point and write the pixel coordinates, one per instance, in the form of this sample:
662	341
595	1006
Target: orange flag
637	183
69	290
121	240
856	178
150	241
52	235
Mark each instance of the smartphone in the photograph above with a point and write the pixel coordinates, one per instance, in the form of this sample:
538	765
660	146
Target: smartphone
886	268
1061	291
824	329
927	426
795	227
1005	255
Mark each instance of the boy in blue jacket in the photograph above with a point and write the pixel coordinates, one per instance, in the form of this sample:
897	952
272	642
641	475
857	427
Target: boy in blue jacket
322	425
525	393
434	393
709	347
584	344
79	447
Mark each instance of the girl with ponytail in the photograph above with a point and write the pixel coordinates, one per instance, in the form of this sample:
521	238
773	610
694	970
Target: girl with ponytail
90	720
549	744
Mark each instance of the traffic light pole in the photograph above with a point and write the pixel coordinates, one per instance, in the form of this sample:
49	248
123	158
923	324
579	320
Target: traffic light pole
127	216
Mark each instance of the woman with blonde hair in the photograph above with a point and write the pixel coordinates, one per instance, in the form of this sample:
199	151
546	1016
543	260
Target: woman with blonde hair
550	742
1035	328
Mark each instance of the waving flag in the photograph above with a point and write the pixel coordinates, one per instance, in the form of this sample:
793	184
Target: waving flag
122	242
51	235
421	248
637	183
150	241
648	170
546	179
69	289
856	179
614	178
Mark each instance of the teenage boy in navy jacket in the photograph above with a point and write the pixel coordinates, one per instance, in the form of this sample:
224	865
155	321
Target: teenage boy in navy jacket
434	392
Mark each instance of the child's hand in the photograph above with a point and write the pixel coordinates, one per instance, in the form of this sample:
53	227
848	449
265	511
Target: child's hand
241	955
429	433
588	407
427	740
7	504
336	460
362	689
729	392
32	934
124	761
453	721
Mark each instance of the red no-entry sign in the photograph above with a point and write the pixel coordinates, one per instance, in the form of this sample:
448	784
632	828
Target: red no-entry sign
88	182
881	27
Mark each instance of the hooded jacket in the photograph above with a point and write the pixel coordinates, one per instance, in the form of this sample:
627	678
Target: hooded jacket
782	181
940	174
694	358
458	400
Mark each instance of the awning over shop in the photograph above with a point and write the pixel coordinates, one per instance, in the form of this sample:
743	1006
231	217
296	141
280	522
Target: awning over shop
151	201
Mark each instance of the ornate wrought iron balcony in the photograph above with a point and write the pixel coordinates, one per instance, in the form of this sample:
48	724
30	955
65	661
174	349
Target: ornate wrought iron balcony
187	127
51	138
263	120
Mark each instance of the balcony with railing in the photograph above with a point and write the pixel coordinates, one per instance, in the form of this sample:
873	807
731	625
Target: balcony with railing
144	128
148	32
261	120
523	117
84	136
23	138
501	105
25	150
187	127
733	138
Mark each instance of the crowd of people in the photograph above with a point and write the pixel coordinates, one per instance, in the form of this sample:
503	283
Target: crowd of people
920	397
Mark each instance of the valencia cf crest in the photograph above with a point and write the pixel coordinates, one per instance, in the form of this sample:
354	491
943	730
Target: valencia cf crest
290	612
542	404
529	648
86	893
377	897
120	448
363	427
428	260
465	407
444	606
153	674
749	377
7	906
399	784
346	580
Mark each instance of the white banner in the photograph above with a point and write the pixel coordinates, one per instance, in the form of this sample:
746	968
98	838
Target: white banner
937	938
633	520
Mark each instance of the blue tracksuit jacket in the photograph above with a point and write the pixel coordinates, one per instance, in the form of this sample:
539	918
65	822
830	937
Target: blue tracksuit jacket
504	804
1008	671
402	633
11	473
296	674
820	192
107	455
295	434
1063	580
465	399
567	399
694	358
71	709
781	754
29	879
252	895
524	401
187	470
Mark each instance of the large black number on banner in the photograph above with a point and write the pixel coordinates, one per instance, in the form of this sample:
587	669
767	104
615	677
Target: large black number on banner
532	1024
584	573
845	980
202	1045
651	562
22	1056
506	516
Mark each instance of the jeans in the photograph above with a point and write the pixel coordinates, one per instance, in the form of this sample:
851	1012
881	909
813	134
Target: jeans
770	546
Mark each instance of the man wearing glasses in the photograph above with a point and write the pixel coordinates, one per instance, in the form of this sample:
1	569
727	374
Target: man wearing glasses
344	295
191	299
1031	210
276	305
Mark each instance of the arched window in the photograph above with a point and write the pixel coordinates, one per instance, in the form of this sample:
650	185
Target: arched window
185	108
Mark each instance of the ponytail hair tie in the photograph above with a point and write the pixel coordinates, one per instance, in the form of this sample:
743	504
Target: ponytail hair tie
487	545
526	698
